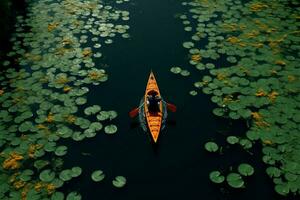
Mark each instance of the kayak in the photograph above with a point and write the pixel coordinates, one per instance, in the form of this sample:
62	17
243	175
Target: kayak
154	120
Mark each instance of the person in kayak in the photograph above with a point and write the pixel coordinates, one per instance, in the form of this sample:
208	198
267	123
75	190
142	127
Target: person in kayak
153	101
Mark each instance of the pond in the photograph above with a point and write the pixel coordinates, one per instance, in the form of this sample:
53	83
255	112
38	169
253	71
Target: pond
77	68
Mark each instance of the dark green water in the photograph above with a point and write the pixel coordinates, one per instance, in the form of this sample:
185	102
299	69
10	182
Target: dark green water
178	167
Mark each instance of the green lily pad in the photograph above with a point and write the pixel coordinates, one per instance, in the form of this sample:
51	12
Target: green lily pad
193	92
119	181
80	101
57	196
26	175
92	110
282	189
235	180
245	143
65	175
184	73
245	169
216	177
188	45
232	139
96	126
103	115
76	171
61	151
211	146
110	129
73	196
97	176
47	175
175	70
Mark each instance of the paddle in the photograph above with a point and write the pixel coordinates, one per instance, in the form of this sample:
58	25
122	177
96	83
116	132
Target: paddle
171	107
135	111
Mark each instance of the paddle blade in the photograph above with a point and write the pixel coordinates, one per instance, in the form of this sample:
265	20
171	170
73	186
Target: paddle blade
171	107
134	112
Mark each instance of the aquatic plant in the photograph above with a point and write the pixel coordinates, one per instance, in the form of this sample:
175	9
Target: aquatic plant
97	176
43	89
119	181
257	82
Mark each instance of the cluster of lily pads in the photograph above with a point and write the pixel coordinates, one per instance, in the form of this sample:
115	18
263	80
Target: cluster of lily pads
233	179
251	51
48	71
118	182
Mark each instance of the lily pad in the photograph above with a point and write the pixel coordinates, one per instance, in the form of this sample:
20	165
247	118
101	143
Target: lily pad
245	169
47	175
235	180
211	146
61	151
73	196
175	70
110	129
232	139
97	176
216	177
119	181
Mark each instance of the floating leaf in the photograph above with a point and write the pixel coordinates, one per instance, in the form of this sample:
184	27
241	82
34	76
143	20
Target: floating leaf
97	176
73	196
119	181
110	129
47	175
216	177
245	169
211	146
193	92
235	180
65	175
175	70
232	139
76	171
61	151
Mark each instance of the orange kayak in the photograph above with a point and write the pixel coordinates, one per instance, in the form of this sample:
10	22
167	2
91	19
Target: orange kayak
154	120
